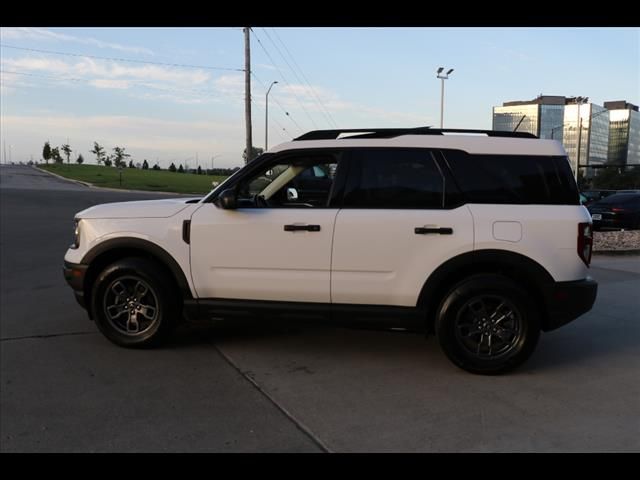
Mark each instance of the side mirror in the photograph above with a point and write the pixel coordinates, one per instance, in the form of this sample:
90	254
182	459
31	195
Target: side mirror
227	199
292	194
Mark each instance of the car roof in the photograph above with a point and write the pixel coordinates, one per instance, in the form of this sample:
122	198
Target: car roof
470	143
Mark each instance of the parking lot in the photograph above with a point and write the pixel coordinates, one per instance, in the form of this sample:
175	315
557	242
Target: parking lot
287	387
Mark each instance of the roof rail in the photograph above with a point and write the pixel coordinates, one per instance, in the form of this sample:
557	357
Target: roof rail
396	132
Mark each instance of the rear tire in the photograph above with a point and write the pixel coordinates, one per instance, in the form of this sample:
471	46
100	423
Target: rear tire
134	303
487	324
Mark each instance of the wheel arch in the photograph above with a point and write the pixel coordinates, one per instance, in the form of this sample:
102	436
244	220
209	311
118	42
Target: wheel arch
519	268
115	249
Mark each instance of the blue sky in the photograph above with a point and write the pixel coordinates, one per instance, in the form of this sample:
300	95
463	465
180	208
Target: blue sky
349	77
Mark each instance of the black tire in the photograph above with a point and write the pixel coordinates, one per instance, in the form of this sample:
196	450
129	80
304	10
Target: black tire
473	318
115	295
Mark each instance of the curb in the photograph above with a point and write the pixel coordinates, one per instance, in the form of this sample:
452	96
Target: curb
79	182
91	185
635	251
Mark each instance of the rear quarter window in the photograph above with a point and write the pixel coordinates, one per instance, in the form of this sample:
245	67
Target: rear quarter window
513	179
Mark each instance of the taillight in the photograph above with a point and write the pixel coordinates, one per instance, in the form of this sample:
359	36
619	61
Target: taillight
617	210
585	242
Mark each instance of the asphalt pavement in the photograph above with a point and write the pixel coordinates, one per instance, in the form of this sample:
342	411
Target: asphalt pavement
286	387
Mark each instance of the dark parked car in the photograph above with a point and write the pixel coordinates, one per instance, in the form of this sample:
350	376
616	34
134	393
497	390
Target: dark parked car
621	210
596	195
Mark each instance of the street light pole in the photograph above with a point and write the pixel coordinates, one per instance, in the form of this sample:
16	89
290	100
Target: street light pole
212	157
266	118
443	77
579	102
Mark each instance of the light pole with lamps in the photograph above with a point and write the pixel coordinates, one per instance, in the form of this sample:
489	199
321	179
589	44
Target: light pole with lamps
443	77
212	158
266	117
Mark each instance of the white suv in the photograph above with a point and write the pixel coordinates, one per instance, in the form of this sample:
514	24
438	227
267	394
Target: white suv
477	236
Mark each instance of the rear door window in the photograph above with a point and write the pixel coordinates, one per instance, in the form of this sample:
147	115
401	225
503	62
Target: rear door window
513	179
394	179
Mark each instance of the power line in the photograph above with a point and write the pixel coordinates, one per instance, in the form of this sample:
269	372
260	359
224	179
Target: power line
318	101
284	78
182	65
137	83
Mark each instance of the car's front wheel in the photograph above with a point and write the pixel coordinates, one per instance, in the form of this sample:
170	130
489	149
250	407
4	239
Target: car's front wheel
487	324
134	303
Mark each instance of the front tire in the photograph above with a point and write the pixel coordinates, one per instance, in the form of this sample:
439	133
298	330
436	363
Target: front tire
487	324
134	303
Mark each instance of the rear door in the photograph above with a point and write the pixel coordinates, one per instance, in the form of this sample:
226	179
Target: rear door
399	222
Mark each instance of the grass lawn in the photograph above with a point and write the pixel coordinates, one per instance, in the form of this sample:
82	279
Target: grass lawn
135	179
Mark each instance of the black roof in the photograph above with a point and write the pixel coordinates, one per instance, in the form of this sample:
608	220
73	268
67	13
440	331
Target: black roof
396	132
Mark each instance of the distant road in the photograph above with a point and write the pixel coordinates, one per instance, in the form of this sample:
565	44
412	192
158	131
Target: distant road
25	177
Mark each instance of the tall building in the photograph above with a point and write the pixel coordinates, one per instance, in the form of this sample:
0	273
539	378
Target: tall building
542	116
590	130
563	119
624	133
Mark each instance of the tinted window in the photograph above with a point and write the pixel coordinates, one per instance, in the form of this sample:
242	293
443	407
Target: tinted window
514	179
394	178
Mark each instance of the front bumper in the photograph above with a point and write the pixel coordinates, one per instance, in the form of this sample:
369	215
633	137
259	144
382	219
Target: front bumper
566	301
74	274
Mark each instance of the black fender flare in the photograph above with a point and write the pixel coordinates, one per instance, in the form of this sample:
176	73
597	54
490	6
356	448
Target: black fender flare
138	244
520	268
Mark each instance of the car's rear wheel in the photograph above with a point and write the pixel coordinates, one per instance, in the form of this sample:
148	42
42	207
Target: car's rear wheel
487	324
134	303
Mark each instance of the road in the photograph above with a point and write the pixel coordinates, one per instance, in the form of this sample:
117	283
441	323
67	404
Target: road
250	387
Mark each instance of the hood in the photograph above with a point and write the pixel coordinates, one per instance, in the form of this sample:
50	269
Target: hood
139	209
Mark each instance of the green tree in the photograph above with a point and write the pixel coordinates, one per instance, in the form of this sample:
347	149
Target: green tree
156	167
255	153
145	165
98	151
46	152
80	159
131	165
119	156
180	169
172	167
55	155
199	170
67	151
617	178
107	161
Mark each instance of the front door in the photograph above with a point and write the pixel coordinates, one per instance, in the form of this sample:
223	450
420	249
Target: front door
275	246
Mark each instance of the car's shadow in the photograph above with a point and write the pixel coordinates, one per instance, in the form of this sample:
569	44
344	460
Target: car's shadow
574	345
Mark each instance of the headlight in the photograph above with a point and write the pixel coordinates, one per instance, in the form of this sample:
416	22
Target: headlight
76	234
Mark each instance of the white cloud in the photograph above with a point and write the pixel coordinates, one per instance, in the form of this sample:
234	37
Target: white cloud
48	35
105	83
87	68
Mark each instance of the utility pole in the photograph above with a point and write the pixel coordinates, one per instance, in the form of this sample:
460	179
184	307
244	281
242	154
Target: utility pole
247	92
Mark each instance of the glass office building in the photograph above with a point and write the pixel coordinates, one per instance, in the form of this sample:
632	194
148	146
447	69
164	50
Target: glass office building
556	117
624	133
593	135
542	117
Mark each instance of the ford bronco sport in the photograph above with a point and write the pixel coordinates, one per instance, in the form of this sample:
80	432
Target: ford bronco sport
476	236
